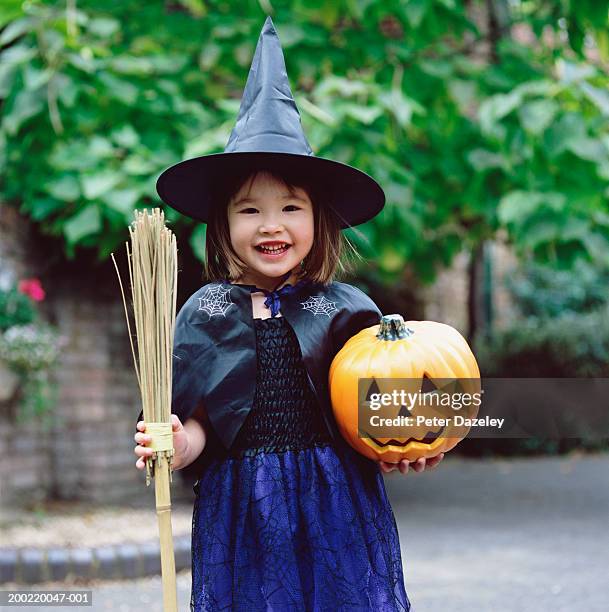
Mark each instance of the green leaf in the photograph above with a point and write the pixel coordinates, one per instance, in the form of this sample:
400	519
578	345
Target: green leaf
125	136
363	114
137	165
464	93
599	97
481	159
7	78
33	78
518	205
67	90
598	248
122	200
415	11
131	65
120	89
104	27
536	116
42	208
26	104
400	106
588	148
493	109
95	185
536	88
570	127
540	232
100	148
84	223
210	54
170	63
291	35
73	155
347	88
14	30
82	62
19	54
65	188
208	142
437	68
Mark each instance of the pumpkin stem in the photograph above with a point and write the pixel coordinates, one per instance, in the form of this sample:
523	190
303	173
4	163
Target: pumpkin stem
393	328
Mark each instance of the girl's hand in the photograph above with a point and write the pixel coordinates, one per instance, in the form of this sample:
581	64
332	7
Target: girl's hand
180	444
417	466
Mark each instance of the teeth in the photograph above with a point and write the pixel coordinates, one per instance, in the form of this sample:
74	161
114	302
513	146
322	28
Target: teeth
274	249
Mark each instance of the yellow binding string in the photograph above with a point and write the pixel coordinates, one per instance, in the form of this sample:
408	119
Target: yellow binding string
162	436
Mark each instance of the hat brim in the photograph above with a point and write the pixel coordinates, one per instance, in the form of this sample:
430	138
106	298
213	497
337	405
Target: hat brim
189	186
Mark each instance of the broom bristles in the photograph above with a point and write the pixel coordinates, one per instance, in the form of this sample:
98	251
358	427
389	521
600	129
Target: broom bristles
153	273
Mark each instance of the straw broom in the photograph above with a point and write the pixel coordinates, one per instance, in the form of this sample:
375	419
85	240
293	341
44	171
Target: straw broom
153	272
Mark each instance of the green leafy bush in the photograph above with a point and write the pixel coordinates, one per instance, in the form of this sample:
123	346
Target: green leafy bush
571	345
16	308
545	292
30	348
466	133
568	346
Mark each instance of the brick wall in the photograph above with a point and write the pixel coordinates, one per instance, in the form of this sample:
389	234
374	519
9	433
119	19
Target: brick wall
87	453
98	402
24	450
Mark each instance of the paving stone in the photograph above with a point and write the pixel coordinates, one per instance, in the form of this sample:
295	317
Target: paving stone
58	563
181	549
81	562
8	563
31	563
151	557
129	562
107	562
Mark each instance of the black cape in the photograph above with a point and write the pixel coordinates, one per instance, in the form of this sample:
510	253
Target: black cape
214	350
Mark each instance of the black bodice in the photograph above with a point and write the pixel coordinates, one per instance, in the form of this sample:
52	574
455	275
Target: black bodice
285	414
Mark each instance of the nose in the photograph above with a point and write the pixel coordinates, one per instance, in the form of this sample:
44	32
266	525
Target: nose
271	225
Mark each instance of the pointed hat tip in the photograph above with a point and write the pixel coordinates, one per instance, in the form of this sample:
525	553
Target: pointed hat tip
268	22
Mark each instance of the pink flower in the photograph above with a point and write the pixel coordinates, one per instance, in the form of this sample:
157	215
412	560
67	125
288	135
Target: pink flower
33	288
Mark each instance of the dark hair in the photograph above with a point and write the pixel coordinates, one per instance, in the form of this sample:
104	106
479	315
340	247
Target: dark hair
322	261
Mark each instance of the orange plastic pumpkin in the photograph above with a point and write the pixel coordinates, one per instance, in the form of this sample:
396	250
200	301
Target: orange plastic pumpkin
420	351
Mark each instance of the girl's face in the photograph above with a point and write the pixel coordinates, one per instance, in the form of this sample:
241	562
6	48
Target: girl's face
268	215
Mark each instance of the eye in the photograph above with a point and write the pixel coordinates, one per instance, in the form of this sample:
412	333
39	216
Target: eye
247	211
293	206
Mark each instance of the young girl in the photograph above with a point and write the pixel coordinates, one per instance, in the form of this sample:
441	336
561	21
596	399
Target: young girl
287	516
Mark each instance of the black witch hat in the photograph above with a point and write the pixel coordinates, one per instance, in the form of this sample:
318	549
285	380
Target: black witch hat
268	133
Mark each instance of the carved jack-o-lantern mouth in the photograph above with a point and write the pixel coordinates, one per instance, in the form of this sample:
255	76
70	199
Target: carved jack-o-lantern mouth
429	438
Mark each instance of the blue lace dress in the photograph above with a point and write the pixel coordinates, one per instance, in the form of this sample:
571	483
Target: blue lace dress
289	520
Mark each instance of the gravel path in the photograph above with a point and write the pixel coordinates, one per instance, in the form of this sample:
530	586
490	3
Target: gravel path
72	526
506	535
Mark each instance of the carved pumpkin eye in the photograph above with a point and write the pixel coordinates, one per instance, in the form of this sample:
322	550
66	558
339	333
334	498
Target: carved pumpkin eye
434	357
428	386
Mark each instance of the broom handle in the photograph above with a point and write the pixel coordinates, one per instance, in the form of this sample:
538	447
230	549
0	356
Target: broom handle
163	512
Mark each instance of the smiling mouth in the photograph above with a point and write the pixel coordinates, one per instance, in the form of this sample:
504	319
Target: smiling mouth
274	250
